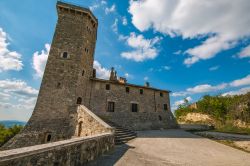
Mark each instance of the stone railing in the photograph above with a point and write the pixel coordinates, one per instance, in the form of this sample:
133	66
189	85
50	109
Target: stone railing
90	124
75	151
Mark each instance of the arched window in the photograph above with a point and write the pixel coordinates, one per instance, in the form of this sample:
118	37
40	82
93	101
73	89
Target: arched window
79	129
79	100
65	55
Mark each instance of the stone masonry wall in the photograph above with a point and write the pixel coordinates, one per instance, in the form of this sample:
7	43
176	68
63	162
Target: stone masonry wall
90	124
150	115
72	152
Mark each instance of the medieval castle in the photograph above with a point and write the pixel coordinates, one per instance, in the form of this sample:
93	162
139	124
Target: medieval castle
70	81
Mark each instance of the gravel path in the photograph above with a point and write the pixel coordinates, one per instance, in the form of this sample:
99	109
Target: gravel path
173	147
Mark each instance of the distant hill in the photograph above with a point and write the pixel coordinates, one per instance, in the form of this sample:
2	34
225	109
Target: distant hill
9	123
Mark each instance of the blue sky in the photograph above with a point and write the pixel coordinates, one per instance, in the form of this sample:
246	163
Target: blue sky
191	47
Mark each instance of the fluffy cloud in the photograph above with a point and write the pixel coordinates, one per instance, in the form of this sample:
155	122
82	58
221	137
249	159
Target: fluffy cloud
39	60
245	52
204	88
110	10
143	48
223	23
9	60
241	82
180	102
101	72
17	87
17	99
237	92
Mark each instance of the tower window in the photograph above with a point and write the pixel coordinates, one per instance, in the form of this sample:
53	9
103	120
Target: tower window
165	107
134	107
141	91
161	94
79	100
127	89
48	138
107	86
65	55
83	72
111	106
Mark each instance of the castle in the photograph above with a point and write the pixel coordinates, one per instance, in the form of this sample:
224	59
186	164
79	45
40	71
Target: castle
70	80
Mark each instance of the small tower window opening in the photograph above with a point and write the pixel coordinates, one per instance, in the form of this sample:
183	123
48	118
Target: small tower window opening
161	94
111	106
65	55
83	72
79	128
141	91
160	118
79	100
127	89
134	107
165	107
48	139
107	86
58	85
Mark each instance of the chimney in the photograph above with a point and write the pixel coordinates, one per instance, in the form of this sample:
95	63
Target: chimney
147	84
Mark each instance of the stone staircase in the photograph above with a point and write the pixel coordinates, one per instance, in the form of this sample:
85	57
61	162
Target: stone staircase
122	135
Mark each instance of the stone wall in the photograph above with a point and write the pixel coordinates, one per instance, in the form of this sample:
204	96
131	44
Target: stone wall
150	115
72	152
90	124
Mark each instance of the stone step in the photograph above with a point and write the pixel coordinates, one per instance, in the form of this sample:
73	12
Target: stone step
125	134
125	138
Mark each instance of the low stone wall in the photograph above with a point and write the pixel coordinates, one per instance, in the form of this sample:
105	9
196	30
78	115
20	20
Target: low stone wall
141	120
72	152
196	127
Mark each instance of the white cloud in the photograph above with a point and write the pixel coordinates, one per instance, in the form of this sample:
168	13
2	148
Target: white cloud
166	67
124	21
115	26
213	68
223	22
180	102
145	78
237	92
17	87
101	72
241	82
39	61
204	88
143	48
110	10
17	99
9	60
245	52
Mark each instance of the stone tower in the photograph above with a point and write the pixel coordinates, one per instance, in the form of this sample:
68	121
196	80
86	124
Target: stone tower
66	82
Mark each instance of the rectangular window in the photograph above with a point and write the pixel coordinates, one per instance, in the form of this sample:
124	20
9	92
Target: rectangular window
134	107
165	106
161	94
107	87
111	106
127	89
141	91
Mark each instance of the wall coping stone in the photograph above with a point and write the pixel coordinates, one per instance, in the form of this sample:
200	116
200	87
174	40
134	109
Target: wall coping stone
31	150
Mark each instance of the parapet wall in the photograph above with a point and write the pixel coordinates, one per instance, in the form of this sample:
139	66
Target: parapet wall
76	151
90	124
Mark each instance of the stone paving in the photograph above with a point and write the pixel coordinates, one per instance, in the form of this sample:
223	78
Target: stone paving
173	147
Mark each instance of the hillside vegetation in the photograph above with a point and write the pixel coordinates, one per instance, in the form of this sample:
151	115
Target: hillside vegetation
7	133
228	112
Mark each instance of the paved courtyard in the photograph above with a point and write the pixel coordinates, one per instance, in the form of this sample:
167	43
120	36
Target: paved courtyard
173	147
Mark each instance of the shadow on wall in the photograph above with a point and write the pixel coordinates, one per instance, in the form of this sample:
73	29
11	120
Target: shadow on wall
112	157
